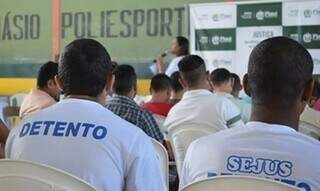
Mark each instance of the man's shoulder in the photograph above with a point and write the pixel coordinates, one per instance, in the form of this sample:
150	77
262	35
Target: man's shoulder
98	115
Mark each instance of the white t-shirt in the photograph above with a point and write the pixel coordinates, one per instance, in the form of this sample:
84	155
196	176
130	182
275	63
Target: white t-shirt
243	106
264	150
173	66
311	116
87	140
202	107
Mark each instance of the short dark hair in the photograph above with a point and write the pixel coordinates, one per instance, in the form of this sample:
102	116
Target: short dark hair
316	89
278	71
192	69
160	82
114	65
84	68
46	72
236	82
175	83
220	75
183	43
125	79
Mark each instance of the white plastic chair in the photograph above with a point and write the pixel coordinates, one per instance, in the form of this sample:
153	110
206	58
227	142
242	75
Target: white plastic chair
238	183
182	136
310	123
17	99
162	155
160	121
29	176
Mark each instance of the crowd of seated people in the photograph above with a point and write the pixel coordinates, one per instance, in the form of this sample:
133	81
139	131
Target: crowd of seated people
100	134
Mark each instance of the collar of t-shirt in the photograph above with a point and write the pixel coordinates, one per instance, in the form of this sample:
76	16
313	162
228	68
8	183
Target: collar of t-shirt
224	94
269	127
193	93
80	101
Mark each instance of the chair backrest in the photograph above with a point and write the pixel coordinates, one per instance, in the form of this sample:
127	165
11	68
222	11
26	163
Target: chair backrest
182	136
29	176
310	123
17	99
11	116
160	121
162	155
239	183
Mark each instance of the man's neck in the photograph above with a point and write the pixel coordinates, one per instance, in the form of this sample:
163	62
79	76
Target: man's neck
159	97
202	86
264	114
176	95
218	89
97	99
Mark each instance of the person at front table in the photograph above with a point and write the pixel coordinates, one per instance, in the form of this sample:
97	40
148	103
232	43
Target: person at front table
180	49
80	136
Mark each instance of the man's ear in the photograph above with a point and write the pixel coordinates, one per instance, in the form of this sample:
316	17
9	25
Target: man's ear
247	88
58	82
183	83
51	83
307	92
109	83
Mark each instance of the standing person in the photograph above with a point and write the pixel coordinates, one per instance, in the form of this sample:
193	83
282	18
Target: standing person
269	145
180	49
47	92
80	136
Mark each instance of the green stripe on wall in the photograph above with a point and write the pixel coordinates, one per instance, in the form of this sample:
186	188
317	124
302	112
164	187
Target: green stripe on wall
31	70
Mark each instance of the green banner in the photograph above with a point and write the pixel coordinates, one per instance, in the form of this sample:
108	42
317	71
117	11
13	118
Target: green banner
215	39
134	32
25	36
260	14
308	36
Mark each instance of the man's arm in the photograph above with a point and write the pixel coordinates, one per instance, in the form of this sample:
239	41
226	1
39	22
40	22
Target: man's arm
161	66
232	114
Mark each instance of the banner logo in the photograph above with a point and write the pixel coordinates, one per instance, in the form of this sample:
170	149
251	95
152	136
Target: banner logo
219	17
309	36
262	14
215	39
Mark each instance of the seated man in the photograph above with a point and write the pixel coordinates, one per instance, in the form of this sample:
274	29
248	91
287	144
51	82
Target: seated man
47	92
222	82
236	87
80	136
269	146
160	90
177	89
198	105
123	105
